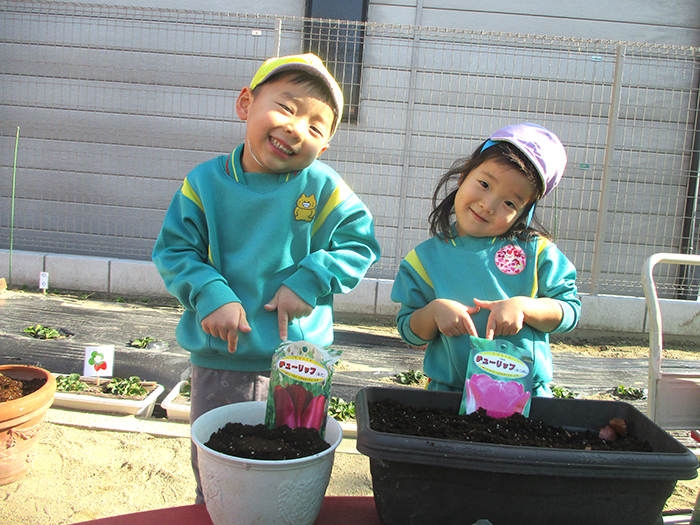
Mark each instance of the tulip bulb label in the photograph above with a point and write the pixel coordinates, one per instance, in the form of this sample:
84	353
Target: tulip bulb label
499	378
300	386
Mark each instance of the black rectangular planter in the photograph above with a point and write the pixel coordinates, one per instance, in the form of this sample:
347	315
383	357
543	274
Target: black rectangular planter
427	481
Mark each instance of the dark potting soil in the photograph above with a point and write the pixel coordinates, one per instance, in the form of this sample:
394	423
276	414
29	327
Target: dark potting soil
11	389
393	417
260	442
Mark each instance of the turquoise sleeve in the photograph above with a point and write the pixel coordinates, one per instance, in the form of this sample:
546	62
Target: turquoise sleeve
557	280
413	293
180	255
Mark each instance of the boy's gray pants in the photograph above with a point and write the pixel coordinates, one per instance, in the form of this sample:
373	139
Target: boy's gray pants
214	388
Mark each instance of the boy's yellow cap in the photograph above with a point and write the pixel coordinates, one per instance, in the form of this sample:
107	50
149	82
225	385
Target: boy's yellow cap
309	63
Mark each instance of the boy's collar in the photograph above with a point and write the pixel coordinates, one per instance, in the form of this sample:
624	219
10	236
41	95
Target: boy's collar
236	168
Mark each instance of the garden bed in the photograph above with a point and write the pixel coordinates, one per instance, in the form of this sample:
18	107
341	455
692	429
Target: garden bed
96	398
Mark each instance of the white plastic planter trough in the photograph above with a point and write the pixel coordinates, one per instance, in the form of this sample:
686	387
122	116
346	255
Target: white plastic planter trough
142	408
178	409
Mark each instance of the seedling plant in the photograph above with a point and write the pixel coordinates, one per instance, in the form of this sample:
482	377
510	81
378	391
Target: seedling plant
70	383
412	377
126	387
341	410
142	342
630	392
563	393
38	331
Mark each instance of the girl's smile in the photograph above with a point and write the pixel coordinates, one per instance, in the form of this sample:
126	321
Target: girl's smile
490	199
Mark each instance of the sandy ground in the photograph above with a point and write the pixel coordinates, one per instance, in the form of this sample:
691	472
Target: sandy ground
81	474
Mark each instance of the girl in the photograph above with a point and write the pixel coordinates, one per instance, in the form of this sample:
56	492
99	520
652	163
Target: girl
488	271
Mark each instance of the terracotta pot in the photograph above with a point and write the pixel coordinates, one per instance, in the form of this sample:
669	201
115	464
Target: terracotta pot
21	422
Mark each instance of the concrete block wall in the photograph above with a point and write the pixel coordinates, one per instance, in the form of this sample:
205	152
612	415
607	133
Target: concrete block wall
371	297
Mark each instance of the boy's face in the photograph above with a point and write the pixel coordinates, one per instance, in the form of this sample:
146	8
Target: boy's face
286	127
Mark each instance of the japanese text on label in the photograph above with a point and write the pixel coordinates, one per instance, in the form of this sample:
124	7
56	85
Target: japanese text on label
501	364
302	368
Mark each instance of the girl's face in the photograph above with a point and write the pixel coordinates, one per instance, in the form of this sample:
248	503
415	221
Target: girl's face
490	199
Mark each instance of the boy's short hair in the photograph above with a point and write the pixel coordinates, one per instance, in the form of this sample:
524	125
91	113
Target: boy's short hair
310	64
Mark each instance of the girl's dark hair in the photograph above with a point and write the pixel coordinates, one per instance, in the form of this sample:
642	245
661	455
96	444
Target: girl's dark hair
503	153
317	87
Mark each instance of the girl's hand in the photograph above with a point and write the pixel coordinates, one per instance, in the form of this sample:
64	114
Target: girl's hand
506	317
448	317
289	306
226	322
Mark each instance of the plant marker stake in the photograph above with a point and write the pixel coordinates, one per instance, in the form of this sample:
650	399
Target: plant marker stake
12	207
44	281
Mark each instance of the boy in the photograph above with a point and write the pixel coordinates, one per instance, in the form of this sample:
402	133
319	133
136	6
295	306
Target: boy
255	243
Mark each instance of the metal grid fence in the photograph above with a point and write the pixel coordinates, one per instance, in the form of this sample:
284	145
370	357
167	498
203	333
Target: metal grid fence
113	106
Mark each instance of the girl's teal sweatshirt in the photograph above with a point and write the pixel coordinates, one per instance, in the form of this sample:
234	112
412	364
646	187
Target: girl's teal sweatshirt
491	269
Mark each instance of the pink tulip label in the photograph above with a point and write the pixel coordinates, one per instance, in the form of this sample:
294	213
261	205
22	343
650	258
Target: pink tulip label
498	379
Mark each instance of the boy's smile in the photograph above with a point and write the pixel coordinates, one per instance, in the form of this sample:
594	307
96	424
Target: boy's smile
490	199
286	127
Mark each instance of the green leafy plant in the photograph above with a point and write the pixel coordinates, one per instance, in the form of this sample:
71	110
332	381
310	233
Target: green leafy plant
563	392
70	383
412	377
142	342
341	410
630	392
42	332
126	387
186	389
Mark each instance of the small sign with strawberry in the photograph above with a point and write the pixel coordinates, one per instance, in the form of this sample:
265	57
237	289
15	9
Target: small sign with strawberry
99	361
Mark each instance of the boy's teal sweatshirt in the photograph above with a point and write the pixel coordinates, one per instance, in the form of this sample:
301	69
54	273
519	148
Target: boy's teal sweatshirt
230	236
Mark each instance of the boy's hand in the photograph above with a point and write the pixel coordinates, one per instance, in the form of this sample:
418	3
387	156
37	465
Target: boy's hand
506	318
289	306
226	322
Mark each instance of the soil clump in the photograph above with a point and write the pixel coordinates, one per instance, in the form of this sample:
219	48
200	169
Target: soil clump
11	389
260	442
393	417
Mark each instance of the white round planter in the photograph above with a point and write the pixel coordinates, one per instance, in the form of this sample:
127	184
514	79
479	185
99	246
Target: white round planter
252	491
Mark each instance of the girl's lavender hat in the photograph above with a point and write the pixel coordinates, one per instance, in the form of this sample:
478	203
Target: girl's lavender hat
541	146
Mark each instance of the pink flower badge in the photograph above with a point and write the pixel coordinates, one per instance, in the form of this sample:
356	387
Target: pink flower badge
511	259
499	398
